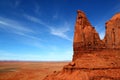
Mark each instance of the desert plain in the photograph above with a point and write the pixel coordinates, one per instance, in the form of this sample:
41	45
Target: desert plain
28	70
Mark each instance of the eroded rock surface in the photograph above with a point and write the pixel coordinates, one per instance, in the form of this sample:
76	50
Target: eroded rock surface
93	59
112	37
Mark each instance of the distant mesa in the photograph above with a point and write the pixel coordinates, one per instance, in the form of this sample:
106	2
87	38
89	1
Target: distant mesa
93	58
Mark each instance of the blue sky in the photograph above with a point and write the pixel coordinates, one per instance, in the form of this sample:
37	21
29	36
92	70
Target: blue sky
42	30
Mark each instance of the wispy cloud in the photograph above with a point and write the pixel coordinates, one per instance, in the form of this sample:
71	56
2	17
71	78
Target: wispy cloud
17	28
59	31
14	25
36	20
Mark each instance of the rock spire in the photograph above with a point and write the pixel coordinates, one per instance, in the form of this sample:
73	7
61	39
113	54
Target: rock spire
93	59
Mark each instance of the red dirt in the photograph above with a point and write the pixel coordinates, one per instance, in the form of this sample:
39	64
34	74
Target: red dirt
28	70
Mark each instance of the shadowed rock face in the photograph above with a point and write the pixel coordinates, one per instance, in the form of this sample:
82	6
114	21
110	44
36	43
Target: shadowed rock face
93	59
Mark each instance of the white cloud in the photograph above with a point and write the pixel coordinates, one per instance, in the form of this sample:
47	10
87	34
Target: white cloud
59	31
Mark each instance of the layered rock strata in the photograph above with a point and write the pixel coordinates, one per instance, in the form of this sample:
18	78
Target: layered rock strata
93	59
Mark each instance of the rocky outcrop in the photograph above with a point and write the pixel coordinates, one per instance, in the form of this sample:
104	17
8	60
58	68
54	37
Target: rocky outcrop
93	59
85	37
87	40
112	37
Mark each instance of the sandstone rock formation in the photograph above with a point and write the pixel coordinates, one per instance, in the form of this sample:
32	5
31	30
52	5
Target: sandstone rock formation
93	59
86	39
112	37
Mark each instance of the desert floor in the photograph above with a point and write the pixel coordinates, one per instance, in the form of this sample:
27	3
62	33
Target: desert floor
16	70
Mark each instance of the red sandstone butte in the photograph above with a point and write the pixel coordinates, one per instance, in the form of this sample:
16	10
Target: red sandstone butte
93	58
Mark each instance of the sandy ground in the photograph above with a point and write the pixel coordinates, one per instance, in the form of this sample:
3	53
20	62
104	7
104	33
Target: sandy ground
28	70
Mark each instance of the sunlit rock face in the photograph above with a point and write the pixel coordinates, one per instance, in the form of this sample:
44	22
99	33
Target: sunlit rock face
112	37
85	36
87	40
93	59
